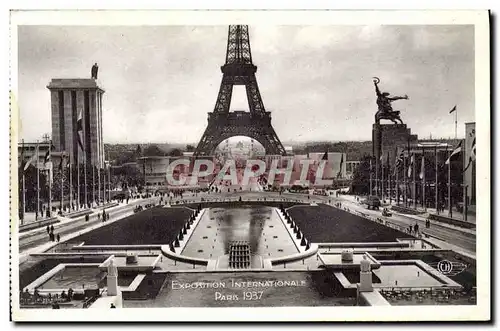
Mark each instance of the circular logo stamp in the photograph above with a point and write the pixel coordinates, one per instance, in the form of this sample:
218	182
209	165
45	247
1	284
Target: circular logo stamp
445	267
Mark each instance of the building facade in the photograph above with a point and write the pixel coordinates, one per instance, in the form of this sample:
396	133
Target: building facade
74	101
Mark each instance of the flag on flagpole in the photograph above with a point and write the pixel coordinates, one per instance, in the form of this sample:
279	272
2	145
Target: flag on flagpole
339	174
457	150
412	159
48	165
472	156
79	130
399	159
398	162
47	157
422	168
61	164
27	165
325	156
22	157
453	109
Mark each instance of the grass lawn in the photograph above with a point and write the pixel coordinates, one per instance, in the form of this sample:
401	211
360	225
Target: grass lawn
323	223
152	226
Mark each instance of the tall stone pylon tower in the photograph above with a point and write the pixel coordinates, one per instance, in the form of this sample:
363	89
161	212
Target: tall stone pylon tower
256	124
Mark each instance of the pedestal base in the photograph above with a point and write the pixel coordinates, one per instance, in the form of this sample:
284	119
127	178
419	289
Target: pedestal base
112	284
365	281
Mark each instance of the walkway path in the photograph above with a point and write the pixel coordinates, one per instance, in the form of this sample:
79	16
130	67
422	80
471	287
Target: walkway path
35	240
465	240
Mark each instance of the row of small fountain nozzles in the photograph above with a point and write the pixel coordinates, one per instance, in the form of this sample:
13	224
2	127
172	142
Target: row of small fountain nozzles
239	247
239	258
240	252
238	265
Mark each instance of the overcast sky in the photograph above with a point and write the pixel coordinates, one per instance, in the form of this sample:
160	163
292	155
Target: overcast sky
316	80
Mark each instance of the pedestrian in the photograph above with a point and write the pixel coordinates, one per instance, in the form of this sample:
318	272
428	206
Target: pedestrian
87	218
52	228
48	229
98	217
58	238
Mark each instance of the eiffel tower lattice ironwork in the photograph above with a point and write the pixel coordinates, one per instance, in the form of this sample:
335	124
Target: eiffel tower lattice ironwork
222	124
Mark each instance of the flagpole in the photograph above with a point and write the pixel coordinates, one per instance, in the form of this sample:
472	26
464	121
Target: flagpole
49	172
414	195
23	182
464	211
436	178
450	213
376	177
37	179
104	183
405	196
93	184
62	183
70	186
99	184
407	184
85	177
389	175
371	185
78	182
24	197
109	182
456	111
424	204
397	181
382	179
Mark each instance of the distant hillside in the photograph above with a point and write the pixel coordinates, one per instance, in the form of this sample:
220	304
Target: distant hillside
124	153
355	150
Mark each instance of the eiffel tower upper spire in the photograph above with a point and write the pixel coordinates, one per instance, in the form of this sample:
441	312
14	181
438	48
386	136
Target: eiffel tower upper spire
256	124
238	45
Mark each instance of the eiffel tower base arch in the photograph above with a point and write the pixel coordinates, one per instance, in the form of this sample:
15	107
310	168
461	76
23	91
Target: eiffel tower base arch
238	123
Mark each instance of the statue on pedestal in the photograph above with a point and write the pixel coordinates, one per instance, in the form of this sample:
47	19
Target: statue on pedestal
112	269
365	264
384	101
93	71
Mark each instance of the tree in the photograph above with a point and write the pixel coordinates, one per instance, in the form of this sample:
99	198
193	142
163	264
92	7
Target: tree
129	176
190	148
361	177
153	150
175	152
125	157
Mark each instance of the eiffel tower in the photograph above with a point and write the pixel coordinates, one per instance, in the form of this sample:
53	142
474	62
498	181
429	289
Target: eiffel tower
222	124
